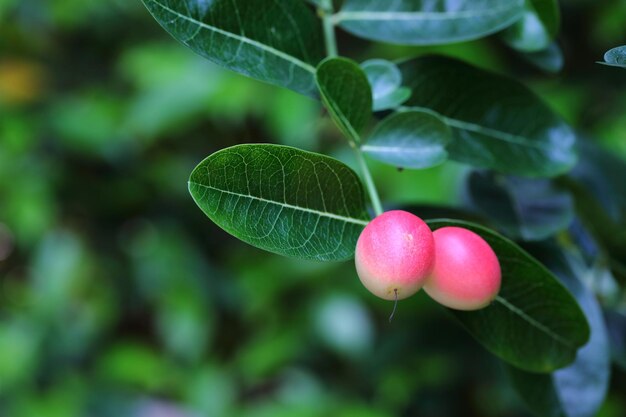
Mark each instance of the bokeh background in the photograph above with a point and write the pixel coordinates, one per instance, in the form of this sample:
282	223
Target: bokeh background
119	298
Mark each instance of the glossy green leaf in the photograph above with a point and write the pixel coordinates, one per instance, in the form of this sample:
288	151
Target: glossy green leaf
276	42
497	122
411	139
615	57
522	208
537	28
284	200
534	323
386	81
347	94
579	389
416	22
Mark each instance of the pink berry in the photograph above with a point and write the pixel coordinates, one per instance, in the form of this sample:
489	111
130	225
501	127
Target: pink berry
395	254
466	275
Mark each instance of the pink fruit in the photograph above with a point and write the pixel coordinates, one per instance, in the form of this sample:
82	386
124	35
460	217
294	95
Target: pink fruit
394	255
466	274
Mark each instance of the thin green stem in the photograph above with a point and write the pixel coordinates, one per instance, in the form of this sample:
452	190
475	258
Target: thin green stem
369	182
326	11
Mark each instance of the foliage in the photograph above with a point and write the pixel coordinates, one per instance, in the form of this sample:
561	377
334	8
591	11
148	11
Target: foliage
118	297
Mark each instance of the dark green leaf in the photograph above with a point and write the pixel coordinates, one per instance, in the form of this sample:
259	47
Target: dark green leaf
412	139
346	93
537	27
415	22
279	42
497	123
579	389
615	57
534	323
522	208
385	79
283	200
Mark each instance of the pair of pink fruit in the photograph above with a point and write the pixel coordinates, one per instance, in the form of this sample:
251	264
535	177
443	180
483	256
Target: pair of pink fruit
397	254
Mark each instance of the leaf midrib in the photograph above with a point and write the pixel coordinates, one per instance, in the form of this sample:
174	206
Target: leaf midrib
240	38
544	329
476	128
416	149
287	205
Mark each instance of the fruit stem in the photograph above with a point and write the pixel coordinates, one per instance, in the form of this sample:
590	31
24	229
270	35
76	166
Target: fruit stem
369	182
326	12
395	305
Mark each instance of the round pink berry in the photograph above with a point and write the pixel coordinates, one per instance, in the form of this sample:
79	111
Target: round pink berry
394	255
466	274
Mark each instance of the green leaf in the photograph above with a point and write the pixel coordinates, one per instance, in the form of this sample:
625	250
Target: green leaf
522	208
416	22
347	94
579	389
615	57
537	28
497	123
279	42
284	200
534	323
411	139
386	81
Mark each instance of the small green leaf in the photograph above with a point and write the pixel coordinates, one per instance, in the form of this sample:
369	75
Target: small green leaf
415	22
386	80
497	123
283	200
347	94
579	389
615	57
279	42
534	323
537	28
522	208
411	139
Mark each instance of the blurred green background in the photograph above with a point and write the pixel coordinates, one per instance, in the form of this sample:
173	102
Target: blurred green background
119	298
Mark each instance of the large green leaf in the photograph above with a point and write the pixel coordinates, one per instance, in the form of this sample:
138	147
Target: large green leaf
412	139
498	123
419	22
347	94
522	208
534	323
579	389
279	42
283	200
537	28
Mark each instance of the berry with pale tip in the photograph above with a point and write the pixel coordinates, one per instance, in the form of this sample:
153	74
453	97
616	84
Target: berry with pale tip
466	273
394	255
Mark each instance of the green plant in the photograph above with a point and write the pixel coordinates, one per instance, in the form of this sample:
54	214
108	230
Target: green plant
424	110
